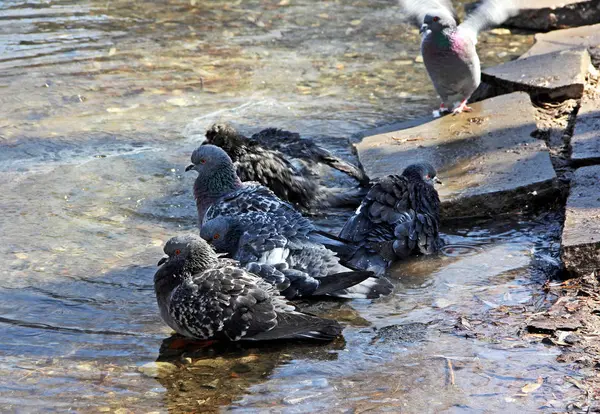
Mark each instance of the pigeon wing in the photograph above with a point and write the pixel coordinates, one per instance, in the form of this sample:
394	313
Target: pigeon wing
488	13
225	302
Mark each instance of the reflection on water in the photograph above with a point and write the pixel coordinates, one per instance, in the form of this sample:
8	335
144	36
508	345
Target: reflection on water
102	103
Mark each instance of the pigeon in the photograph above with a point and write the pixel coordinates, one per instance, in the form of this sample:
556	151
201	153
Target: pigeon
289	244
448	49
256	161
204	297
219	191
293	146
398	217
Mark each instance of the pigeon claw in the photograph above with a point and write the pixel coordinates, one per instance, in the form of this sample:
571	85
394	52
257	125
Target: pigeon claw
462	107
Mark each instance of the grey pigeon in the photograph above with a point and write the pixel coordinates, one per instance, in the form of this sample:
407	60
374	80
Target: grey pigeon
202	296
218	190
259	159
292	145
398	217
287	243
448	49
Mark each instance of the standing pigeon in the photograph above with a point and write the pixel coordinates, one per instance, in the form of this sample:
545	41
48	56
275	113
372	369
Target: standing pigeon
398	217
263	162
448	49
287	243
204	297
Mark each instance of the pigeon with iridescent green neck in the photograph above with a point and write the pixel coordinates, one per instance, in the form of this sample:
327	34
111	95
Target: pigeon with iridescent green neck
448	49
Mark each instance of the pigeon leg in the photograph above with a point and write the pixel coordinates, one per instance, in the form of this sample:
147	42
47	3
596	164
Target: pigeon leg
443	108
462	107
442	111
180	343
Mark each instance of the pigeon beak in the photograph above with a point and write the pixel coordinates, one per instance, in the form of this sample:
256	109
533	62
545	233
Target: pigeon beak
190	167
423	28
162	261
437	181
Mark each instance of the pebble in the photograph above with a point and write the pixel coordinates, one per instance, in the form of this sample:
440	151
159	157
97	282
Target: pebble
213	384
157	369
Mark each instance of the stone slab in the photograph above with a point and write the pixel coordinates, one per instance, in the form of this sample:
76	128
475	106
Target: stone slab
585	142
551	76
580	249
546	15
579	37
487	159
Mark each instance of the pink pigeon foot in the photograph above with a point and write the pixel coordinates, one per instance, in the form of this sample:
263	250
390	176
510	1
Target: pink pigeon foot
443	109
462	108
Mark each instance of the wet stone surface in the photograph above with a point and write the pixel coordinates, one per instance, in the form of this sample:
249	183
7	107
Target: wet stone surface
585	142
581	234
487	157
547	15
578	37
550	77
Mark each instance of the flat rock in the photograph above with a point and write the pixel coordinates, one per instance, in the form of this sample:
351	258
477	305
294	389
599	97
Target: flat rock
580	249
579	37
545	15
488	160
551	76
585	142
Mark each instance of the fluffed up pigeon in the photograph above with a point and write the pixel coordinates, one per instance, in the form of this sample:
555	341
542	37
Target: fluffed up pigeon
286	242
202	296
398	217
448	49
292	145
259	159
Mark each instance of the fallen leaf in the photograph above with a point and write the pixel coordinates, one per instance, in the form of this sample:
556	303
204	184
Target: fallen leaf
533	386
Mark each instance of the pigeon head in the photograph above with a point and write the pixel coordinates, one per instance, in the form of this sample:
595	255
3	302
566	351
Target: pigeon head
216	173
438	21
225	137
188	254
222	233
422	171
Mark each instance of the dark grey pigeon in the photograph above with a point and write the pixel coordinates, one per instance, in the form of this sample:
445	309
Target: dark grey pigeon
448	49
202	296
255	161
218	191
398	217
292	145
289	244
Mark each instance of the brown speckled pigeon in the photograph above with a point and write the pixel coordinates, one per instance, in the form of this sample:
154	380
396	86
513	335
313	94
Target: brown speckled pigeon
398	217
202	296
448	49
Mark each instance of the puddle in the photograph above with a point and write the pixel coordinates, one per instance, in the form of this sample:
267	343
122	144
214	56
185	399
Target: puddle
102	104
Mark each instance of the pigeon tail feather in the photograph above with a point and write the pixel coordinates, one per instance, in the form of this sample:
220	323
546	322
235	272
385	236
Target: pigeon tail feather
296	325
330	284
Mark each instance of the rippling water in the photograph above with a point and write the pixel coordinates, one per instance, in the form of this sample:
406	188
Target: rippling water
102	103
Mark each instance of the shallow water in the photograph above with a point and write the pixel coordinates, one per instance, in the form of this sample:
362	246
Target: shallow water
102	103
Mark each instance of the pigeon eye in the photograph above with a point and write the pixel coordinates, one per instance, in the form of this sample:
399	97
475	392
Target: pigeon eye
202	161
427	176
177	252
216	236
436	19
